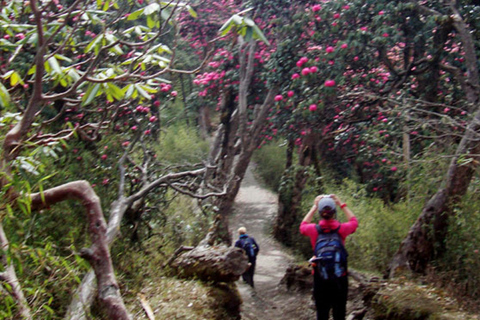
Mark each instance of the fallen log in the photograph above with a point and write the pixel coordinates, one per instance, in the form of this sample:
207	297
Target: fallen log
217	264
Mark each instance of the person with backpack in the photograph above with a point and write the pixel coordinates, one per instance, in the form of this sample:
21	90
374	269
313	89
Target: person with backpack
251	248
329	261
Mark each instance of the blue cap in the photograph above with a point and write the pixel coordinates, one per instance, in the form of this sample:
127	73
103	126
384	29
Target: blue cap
326	204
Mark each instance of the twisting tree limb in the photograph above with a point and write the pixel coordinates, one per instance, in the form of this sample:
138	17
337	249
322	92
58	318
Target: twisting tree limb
98	254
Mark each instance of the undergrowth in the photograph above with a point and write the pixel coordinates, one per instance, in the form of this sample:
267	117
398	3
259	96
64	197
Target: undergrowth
383	225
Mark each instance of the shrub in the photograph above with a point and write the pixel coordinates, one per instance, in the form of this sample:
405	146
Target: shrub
180	144
270	160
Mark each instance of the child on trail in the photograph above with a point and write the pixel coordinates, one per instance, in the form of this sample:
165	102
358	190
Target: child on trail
251	248
330	279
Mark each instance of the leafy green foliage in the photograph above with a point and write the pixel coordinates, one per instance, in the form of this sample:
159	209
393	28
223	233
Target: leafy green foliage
456	267
270	164
181	144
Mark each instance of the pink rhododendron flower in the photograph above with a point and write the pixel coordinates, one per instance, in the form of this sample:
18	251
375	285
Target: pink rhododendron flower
330	49
329	83
278	97
290	93
394	168
295	76
316	8
344	46
313	69
312	107
305	71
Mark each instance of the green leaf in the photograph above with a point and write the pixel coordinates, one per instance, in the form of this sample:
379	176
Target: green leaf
4	96
227	26
248	33
259	34
151	8
94	43
150	22
15	79
53	62
142	91
63	58
128	91
115	91
134	15
8	74
73	74
91	94
50	310
191	11
249	22
106	5
237	19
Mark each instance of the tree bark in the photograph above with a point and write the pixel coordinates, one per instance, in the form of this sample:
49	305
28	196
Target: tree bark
98	254
234	145
426	238
289	203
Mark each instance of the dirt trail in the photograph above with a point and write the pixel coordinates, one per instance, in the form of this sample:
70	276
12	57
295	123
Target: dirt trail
255	208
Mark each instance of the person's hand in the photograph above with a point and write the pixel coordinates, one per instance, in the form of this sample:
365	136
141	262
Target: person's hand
317	199
336	199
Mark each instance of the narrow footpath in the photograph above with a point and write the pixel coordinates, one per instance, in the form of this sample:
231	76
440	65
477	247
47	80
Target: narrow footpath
255	209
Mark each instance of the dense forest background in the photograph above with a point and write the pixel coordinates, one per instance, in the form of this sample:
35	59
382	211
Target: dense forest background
128	126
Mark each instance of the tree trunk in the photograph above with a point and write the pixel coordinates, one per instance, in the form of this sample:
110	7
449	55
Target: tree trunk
291	198
426	238
234	144
98	254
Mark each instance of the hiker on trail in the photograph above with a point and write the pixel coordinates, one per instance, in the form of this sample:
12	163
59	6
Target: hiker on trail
251	248
330	281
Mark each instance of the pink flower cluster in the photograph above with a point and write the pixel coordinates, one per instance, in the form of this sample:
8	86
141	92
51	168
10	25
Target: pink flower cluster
207	77
142	109
164	87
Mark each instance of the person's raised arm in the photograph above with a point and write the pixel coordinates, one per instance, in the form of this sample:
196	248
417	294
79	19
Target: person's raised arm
346	210
309	216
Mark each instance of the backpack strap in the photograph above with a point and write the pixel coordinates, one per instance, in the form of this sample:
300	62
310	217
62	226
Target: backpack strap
320	230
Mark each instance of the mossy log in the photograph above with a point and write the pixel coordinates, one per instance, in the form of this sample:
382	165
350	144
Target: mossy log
217	264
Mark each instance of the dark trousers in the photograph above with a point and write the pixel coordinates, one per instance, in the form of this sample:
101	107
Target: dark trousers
330	294
247	276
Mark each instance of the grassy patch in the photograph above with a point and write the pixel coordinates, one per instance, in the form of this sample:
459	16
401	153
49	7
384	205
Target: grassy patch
172	298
